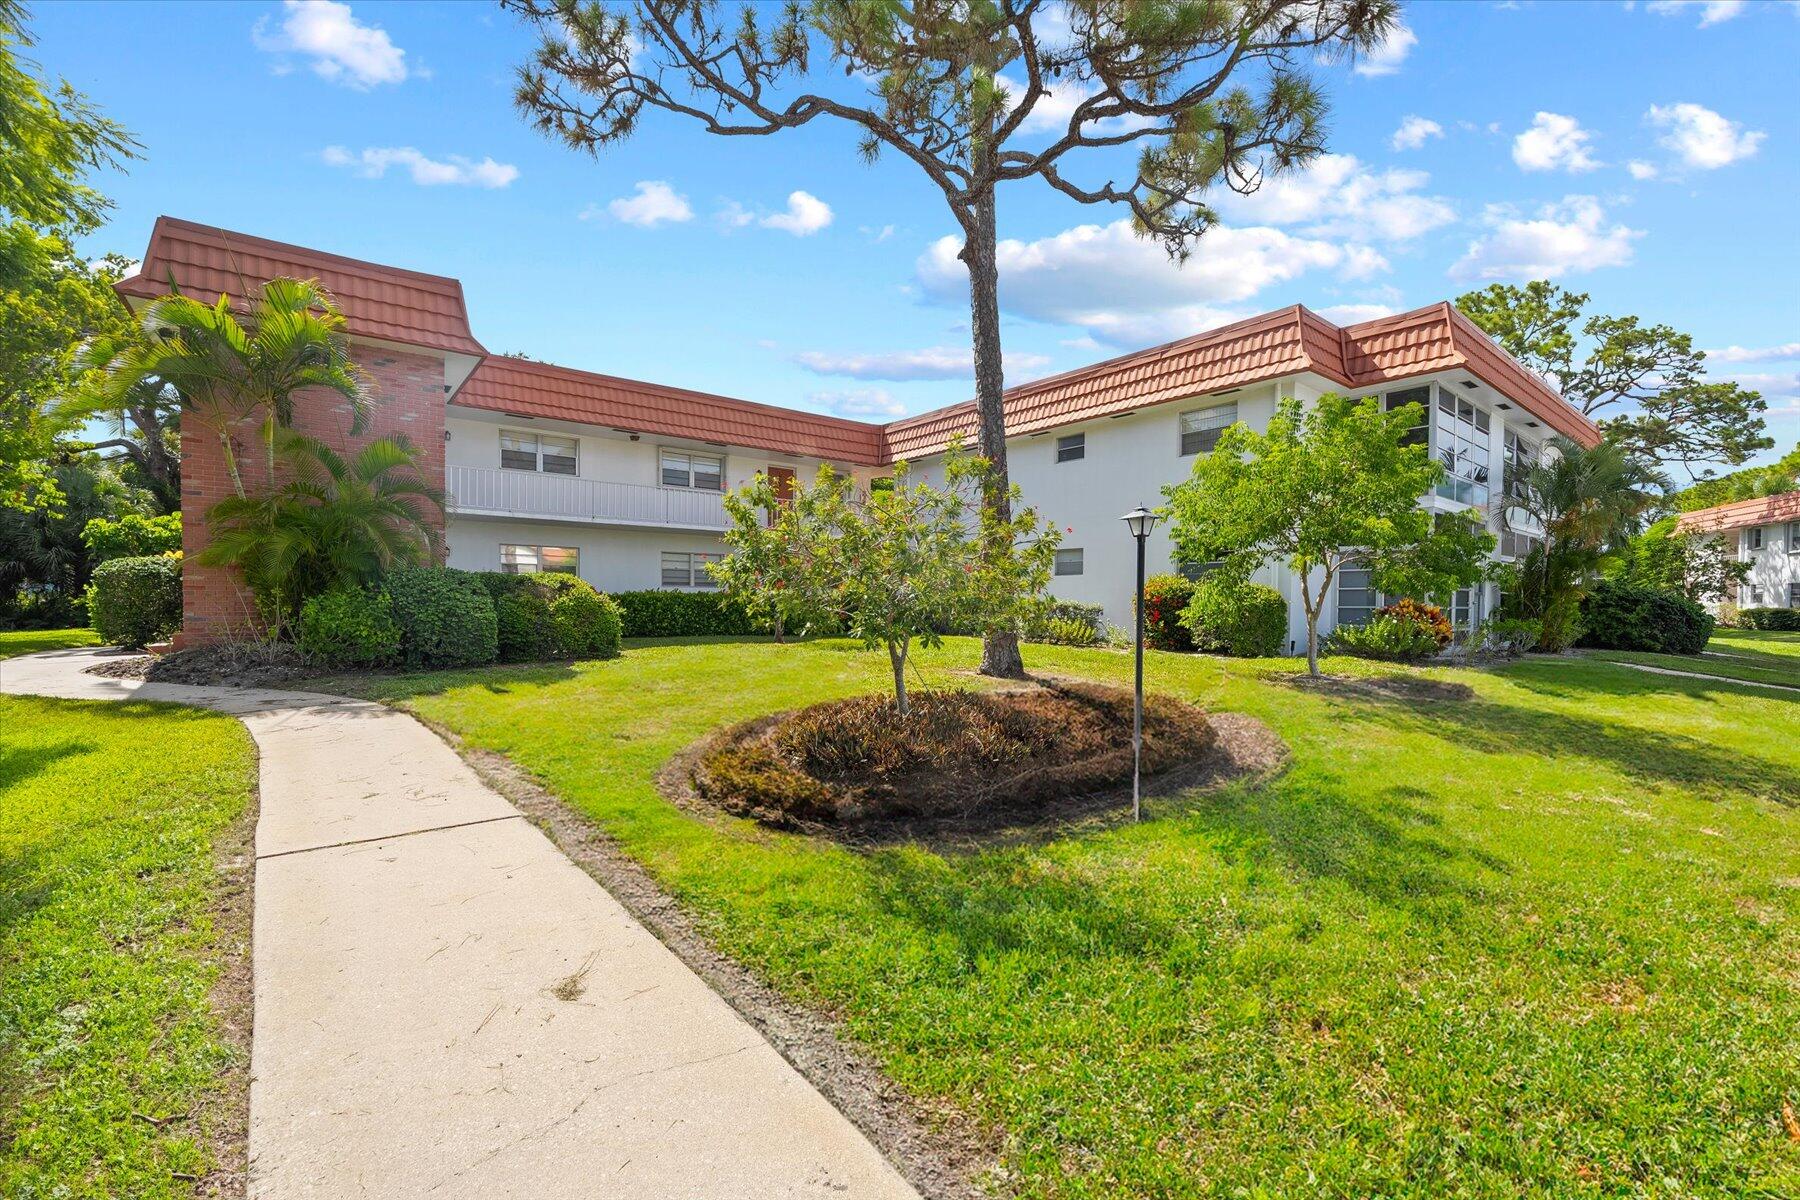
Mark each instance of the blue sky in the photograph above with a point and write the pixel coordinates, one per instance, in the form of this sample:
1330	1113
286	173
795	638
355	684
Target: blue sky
1642	152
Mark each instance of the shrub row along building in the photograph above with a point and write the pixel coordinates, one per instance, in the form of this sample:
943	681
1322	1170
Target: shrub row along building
620	481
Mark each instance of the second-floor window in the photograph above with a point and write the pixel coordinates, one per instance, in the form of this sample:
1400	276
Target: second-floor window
1460	441
544	452
1071	447
1752	540
1793	537
684	468
1068	562
1200	429
1520	455
1420	432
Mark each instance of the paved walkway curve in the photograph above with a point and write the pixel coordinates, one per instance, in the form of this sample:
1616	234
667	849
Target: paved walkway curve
1780	687
447	1007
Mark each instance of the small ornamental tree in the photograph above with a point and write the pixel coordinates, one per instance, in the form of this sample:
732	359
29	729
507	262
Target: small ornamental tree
895	568
1701	567
1334	485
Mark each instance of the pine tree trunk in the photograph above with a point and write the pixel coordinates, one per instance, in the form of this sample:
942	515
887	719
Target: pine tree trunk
999	647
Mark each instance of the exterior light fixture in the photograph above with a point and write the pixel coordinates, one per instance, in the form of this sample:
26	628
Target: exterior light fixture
1140	521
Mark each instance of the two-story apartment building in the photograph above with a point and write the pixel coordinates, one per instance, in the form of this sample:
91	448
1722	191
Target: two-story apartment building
1765	531
621	480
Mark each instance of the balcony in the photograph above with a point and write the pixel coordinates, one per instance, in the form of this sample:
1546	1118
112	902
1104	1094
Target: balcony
531	496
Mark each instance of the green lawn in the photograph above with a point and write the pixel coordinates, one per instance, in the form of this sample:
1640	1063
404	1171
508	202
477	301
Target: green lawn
1755	656
1543	939
29	641
115	1079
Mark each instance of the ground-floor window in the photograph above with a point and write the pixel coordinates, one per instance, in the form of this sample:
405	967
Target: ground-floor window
1357	598
528	560
1794	595
1068	562
683	569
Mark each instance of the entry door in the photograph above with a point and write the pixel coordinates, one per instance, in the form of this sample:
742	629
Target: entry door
781	479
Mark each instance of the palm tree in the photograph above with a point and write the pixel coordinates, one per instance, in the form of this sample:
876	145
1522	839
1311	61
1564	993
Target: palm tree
227	370
338	521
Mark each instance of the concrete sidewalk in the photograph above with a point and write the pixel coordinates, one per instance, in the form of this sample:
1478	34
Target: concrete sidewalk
446	1006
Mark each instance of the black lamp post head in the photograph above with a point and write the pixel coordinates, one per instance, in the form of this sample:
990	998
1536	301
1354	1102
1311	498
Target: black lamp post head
1140	521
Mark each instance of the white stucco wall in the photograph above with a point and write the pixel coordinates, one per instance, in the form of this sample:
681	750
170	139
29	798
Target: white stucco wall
1774	569
612	559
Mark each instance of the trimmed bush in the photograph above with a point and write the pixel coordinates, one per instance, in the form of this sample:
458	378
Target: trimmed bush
1769	618
445	616
585	624
653	614
1243	620
1166	597
1063	631
350	627
135	601
521	615
1620	616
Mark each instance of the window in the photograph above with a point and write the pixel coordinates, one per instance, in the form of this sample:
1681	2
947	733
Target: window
1793	537
1072	447
1419	434
1516	545
1197	571
1068	562
1756	597
681	569
1200	430
1519	455
544	452
528	560
1752	540
1460	439
682	468
1357	598
1794	595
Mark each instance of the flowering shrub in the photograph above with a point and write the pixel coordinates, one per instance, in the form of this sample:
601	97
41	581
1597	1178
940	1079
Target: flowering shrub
1166	597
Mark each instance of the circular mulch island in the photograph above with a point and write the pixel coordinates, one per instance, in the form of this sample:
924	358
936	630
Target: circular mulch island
962	762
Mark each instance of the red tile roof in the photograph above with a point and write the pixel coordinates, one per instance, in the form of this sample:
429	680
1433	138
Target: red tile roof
1286	342
408	307
521	387
1742	514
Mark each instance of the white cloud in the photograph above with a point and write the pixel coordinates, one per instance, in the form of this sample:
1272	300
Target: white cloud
1640	169
342	49
1124	289
875	234
654	203
933	362
1554	143
1565	238
860	402
1350	314
1712	12
1414	131
1386	58
374	161
1701	137
1336	196
806	214
1740	354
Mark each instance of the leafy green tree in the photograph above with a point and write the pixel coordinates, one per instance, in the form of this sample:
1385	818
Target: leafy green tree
1209	94
1747	484
131	535
894	568
337	522
44	563
1582	502
1701	567
1645	384
1332	485
229	369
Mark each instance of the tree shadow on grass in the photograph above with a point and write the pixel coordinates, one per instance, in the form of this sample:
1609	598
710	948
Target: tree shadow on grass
1645	756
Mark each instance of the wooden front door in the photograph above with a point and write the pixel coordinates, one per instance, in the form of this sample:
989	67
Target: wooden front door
781	479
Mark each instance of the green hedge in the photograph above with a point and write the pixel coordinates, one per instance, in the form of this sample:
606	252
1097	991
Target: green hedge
1620	616
350	627
1769	618
1244	620
446	617
135	601
131	536
653	614
521	615
585	624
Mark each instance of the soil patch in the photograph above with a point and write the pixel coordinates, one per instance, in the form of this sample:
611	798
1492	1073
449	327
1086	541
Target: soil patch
1041	760
240	664
939	1150
1380	687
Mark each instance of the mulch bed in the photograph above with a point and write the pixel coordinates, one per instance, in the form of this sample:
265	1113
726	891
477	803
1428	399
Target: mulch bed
982	767
239	664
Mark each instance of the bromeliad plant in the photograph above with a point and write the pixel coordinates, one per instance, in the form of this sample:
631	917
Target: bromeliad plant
896	568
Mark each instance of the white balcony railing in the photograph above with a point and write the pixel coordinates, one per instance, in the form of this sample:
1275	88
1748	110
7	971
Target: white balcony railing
485	491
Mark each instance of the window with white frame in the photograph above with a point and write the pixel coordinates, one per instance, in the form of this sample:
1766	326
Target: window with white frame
1460	441
1751	540
682	569
1068	562
1071	447
1793	537
1756	597
545	452
529	560
1420	432
1200	429
1516	545
1520	453
687	469
1357	598
1794	595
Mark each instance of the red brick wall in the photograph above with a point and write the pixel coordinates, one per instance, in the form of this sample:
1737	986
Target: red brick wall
409	399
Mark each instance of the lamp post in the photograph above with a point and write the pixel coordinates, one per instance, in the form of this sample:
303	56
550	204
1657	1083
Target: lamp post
1140	521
